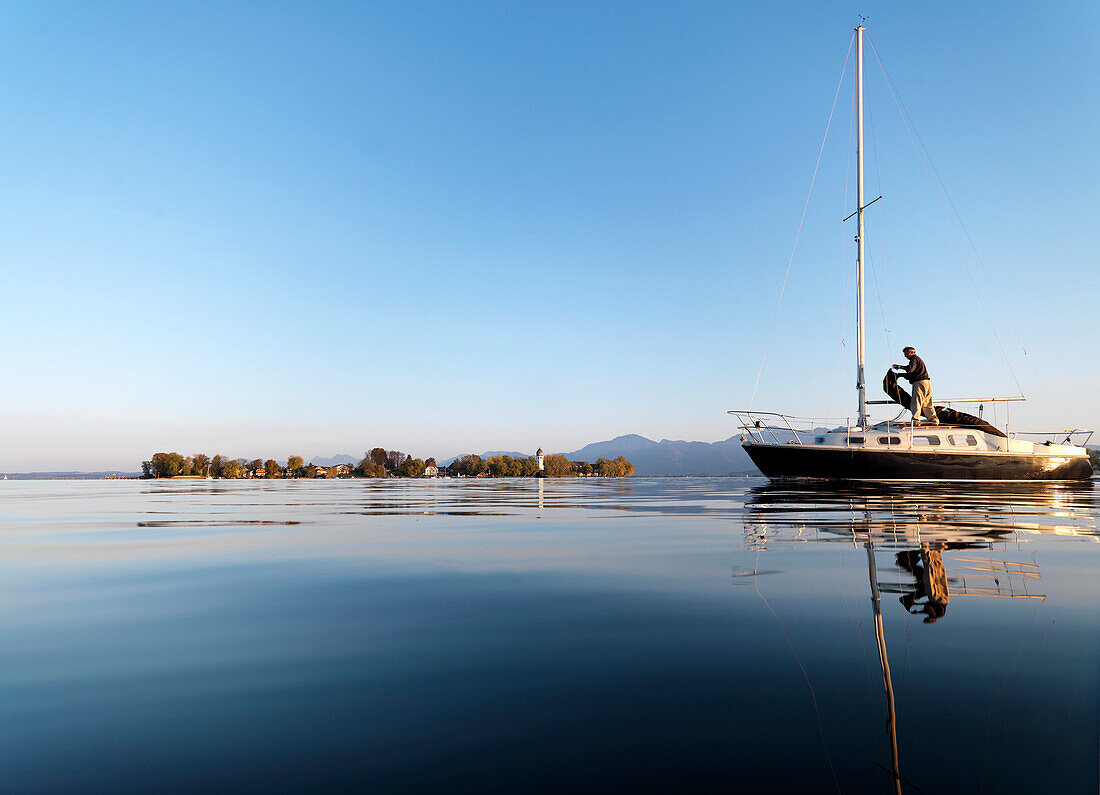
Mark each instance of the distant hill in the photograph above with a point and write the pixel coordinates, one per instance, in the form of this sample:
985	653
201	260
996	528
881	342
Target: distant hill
672	457
630	444
339	458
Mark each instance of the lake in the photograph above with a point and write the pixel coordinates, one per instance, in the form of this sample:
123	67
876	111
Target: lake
710	634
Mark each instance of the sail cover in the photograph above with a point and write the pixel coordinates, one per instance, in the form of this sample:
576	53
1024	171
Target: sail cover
947	416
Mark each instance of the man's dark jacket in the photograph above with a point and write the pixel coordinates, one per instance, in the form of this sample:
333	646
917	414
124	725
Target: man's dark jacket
916	371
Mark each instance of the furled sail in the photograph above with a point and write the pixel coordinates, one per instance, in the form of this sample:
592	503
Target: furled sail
947	415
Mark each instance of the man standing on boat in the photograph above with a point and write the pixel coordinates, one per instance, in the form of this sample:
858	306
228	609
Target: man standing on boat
917	374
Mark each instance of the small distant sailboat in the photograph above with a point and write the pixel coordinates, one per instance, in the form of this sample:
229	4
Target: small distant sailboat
961	447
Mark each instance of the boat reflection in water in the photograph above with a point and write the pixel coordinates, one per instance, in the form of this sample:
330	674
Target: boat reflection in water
918	525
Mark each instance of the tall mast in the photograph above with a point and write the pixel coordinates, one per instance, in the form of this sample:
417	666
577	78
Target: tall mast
861	384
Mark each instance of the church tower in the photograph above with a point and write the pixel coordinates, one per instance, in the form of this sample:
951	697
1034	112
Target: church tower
539	458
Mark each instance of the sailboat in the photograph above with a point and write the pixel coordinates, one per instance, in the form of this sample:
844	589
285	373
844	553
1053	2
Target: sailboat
961	447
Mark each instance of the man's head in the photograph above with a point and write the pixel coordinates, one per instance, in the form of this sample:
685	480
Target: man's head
908	352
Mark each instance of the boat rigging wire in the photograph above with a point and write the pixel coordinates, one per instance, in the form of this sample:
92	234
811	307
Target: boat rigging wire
805	206
844	250
907	123
878	294
880	288
974	248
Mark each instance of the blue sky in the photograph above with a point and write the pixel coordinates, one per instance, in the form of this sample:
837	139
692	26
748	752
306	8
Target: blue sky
306	228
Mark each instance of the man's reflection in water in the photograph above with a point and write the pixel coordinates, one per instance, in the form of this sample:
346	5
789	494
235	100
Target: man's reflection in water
926	566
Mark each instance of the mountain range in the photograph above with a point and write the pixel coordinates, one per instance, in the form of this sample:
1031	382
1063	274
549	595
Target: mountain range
672	457
339	458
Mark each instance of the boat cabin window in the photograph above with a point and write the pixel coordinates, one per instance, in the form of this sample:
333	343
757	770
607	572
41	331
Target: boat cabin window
926	440
962	440
856	440
819	440
889	440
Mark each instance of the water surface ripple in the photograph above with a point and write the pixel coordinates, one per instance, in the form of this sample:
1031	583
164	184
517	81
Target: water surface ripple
705	634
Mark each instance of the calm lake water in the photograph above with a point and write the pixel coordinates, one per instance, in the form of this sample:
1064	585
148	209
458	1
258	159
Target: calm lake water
642	634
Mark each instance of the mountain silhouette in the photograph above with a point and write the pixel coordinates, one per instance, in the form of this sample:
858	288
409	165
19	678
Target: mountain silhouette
339	458
672	457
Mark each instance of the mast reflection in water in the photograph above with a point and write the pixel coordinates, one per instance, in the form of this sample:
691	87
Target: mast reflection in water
919	523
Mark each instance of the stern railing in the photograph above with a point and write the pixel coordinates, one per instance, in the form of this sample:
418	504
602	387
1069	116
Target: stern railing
762	426
1067	436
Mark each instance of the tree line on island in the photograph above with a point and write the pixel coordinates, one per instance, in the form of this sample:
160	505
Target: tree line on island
555	466
381	463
